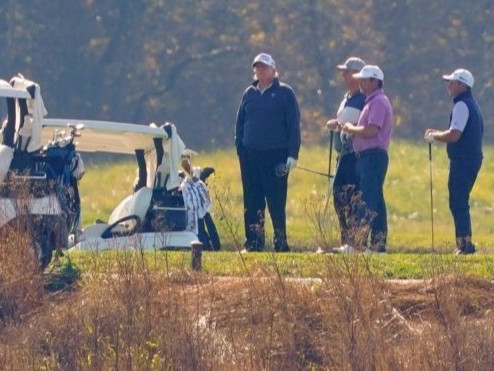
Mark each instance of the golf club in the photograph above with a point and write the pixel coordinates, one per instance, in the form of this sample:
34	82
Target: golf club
314	172
330	177
331	134
432	197
281	170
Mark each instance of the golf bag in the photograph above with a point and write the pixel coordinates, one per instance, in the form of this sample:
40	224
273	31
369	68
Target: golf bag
198	203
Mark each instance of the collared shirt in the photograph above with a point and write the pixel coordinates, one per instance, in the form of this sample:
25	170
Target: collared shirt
377	111
459	116
349	111
263	90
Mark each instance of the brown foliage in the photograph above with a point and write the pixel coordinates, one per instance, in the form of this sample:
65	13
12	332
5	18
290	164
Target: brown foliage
21	284
348	319
152	61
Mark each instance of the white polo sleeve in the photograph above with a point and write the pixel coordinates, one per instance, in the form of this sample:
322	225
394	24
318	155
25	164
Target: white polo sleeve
349	114
459	117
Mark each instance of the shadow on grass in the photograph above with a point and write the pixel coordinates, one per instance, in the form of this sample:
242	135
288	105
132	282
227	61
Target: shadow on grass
62	277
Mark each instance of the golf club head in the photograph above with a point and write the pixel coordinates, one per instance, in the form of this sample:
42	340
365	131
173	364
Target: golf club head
205	173
281	170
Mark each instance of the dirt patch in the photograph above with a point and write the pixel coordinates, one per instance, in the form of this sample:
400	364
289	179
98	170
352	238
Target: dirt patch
417	300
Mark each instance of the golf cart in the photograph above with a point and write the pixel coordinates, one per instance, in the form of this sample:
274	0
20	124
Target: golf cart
38	185
154	215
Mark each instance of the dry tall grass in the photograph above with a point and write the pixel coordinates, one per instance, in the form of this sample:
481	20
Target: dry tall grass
141	319
21	286
349	319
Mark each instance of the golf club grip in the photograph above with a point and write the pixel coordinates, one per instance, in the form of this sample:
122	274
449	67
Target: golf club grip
432	195
331	135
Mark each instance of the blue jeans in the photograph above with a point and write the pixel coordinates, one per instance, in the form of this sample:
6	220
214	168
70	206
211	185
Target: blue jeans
462	176
371	168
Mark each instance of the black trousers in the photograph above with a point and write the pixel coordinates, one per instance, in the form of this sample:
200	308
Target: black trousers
345	197
260	186
462	176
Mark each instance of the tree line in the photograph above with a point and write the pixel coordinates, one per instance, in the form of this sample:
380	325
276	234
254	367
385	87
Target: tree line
189	62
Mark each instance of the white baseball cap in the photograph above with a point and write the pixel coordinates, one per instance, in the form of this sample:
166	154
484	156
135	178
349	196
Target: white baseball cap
461	75
264	59
370	72
352	63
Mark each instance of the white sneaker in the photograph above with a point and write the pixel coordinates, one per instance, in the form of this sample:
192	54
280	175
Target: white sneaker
345	249
369	251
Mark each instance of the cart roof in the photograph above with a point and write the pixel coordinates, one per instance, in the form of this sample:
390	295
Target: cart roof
7	91
106	136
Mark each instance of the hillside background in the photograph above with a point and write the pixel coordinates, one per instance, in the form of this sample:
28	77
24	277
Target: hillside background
188	62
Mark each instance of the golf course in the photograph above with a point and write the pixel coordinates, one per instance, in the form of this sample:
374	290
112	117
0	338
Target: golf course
407	193
109	105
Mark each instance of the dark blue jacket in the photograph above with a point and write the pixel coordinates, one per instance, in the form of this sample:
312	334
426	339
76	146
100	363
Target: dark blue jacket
270	120
469	146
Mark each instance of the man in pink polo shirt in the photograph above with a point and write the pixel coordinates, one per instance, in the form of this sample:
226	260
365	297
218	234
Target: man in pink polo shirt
371	137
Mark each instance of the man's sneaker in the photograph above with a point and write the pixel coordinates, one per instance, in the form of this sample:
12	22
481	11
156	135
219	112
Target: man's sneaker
381	250
470	249
345	249
246	250
284	249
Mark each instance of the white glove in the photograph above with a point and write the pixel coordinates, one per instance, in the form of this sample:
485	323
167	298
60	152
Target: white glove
429	138
291	163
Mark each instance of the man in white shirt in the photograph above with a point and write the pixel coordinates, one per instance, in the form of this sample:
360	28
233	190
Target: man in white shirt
464	146
345	185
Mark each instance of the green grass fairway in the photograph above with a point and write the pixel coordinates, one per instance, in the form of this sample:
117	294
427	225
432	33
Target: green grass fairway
305	265
406	191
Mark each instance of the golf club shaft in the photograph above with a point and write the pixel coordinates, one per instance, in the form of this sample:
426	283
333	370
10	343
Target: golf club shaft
330	183
313	171
331	135
432	197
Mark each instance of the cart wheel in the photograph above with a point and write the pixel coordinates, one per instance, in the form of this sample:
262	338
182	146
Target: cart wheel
43	250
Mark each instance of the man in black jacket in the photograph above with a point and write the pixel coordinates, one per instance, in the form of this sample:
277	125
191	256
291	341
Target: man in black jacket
267	137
